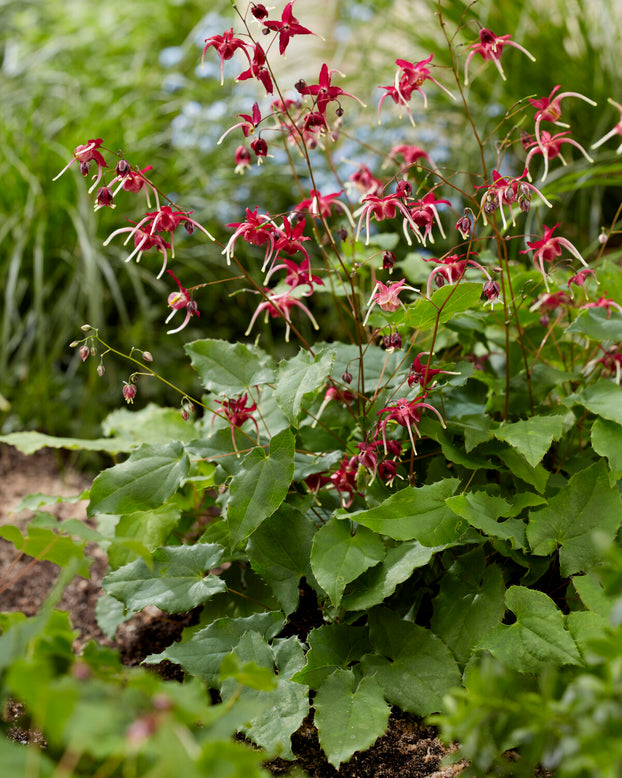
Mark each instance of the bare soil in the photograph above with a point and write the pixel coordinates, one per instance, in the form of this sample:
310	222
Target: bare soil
409	749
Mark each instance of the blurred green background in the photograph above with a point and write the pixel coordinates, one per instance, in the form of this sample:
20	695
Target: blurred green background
129	72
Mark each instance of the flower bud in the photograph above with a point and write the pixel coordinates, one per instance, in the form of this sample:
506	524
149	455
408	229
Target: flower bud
104	197
93	350
184	414
147	356
260	147
346	377
388	260
342	233
464	225
86	327
300	85
123	167
602	238
259	11
73	343
129	392
403	188
491	290
189	227
101	370
392	342
524	203
339	112
84	352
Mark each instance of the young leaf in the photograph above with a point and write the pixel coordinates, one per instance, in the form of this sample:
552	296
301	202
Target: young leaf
338	556
416	514
537	637
146	480
229	368
532	437
261	486
586	504
349	717
301	377
180	579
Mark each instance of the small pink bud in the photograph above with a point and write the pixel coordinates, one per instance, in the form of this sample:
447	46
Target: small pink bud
147	356
347	377
184	414
84	352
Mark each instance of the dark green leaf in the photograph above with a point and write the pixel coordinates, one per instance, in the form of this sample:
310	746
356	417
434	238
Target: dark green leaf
146	480
279	550
339	556
261	486
203	649
537	637
380	581
229	368
180	579
349	717
300	378
332	646
598	324
444	303
416	514
413	666
586	504
469	603
532	437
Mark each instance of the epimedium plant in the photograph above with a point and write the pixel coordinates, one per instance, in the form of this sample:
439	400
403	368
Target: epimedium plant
441	483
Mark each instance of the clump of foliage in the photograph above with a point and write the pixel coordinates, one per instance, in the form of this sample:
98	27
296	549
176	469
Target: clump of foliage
438	471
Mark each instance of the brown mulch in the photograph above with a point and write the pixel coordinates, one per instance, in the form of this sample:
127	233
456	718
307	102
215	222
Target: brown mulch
409	749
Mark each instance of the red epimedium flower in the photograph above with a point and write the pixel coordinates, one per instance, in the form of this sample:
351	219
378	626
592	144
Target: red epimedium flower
226	45
324	92
386	297
178	301
258	69
84	155
279	306
617	130
548	248
490	47
406	413
165	219
287	27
